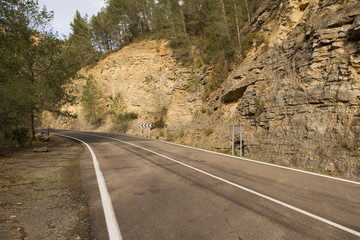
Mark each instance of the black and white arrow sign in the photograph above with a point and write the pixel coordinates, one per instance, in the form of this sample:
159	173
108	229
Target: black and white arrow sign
145	125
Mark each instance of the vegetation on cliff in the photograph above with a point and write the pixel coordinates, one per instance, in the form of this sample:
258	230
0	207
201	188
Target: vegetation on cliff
212	26
34	66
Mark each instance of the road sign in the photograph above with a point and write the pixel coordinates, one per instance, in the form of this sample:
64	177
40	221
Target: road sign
237	129
145	125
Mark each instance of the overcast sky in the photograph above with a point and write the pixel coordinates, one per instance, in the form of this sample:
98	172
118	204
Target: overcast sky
64	12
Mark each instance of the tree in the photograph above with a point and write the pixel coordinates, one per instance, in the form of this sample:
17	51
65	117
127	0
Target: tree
34	65
92	108
80	40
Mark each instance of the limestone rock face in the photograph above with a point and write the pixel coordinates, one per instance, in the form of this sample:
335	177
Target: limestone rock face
297	95
148	79
299	99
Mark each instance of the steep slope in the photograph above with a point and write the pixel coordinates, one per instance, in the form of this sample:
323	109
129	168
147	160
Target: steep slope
298	97
149	82
297	94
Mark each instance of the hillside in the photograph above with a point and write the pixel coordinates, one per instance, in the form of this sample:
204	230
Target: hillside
297	93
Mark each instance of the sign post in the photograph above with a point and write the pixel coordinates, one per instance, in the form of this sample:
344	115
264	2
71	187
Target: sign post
236	129
141	126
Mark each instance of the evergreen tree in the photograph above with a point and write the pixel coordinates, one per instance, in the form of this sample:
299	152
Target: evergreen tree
34	65
80	39
92	108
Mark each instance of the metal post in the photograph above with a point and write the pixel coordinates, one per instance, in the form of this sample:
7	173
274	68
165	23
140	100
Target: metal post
233	140
240	142
149	132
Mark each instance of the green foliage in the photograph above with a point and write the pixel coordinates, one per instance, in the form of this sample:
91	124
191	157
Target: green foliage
118	104
213	27
158	123
219	74
193	82
80	40
208	131
34	65
181	134
159	118
161	134
149	79
249	40
126	117
20	135
260	105
182	50
92	108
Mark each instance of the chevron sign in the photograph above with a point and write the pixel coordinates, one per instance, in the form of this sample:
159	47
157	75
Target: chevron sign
145	125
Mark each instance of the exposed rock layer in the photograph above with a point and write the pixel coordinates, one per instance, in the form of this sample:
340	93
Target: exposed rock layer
297	95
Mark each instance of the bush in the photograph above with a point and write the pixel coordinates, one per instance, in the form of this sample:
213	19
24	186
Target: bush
181	47
158	124
126	117
20	135
193	82
208	131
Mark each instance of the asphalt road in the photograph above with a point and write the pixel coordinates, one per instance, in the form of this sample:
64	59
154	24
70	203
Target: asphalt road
159	190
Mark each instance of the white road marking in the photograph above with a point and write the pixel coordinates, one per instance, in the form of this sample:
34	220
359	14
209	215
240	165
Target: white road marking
241	187
259	162
110	218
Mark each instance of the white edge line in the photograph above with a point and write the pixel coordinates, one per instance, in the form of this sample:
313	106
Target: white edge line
349	230
239	158
251	160
110	218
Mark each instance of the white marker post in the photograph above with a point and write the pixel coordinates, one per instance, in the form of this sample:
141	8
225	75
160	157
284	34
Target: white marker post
236	129
146	126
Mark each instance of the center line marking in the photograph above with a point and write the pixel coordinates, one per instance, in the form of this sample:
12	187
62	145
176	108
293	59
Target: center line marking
334	224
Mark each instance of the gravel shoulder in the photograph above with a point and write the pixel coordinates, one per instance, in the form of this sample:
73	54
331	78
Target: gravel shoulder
41	194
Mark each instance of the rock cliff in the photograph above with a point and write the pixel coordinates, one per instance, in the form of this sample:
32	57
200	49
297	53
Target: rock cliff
297	94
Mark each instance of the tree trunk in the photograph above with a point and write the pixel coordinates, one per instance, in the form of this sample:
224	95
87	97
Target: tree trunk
138	12
247	9
237	25
32	126
169	13
183	21
225	19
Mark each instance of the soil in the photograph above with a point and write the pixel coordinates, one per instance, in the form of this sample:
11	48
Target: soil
40	192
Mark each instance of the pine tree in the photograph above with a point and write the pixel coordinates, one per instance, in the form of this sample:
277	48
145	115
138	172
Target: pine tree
34	65
92	108
80	39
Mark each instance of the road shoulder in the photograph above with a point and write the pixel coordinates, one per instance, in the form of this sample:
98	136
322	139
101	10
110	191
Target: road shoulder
41	192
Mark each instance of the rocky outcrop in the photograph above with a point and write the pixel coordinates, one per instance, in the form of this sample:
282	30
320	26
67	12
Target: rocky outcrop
297	94
299	99
148	80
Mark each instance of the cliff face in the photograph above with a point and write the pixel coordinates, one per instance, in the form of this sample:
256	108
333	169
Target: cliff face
299	99
149	82
297	95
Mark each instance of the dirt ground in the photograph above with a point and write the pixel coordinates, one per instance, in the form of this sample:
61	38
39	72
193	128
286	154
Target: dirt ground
40	192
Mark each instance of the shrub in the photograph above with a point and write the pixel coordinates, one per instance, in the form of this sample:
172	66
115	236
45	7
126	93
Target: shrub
208	131
193	82
20	135
158	123
126	117
181	47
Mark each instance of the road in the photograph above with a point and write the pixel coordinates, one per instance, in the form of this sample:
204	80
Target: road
158	190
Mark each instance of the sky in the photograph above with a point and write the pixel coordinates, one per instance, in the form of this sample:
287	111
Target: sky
64	12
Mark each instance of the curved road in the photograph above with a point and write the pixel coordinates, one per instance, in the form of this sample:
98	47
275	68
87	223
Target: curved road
158	190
